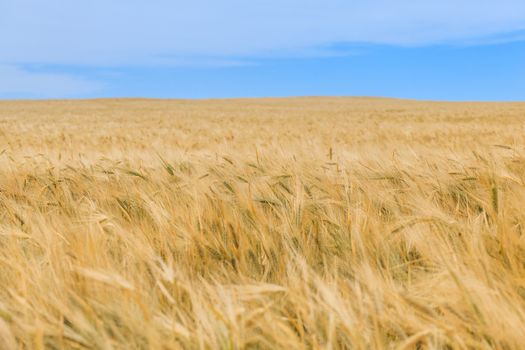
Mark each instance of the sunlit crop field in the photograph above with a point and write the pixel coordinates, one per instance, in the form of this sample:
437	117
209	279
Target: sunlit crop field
308	223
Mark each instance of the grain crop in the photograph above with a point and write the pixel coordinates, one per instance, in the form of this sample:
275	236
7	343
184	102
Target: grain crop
300	223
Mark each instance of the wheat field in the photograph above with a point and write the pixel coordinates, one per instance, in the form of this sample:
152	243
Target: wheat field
303	223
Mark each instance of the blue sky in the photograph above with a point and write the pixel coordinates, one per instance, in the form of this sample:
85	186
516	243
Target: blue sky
445	50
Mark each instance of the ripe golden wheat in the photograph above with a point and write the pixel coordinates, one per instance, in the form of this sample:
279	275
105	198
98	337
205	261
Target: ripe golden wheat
308	223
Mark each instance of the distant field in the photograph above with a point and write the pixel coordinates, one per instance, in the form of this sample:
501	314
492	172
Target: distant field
306	223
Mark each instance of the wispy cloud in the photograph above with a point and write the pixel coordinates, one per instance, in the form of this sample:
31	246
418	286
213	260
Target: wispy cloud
123	32
15	81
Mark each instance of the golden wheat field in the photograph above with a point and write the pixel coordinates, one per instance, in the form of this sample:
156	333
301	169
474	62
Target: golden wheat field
305	223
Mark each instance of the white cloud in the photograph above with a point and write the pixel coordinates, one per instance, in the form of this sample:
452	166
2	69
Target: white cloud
15	81
162	32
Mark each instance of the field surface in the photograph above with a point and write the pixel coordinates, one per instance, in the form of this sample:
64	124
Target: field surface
307	223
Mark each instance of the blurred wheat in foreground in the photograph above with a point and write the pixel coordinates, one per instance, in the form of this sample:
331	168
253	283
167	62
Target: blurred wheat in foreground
309	223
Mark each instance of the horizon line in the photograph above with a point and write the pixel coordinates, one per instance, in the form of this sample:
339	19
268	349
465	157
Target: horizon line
137	98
